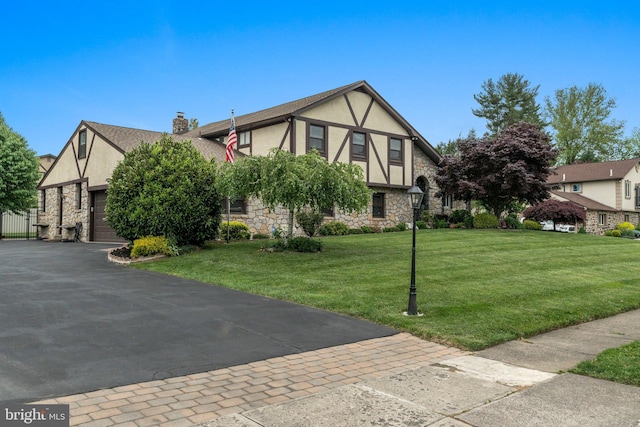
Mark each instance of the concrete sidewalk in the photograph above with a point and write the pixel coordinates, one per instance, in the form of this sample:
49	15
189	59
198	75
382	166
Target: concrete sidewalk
392	381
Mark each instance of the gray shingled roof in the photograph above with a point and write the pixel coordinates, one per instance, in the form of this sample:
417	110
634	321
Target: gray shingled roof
282	112
583	201
125	139
585	172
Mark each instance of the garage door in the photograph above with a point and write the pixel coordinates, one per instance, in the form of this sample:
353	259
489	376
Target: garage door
101	231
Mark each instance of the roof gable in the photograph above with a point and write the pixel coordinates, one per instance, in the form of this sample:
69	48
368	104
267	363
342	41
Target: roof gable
295	108
585	172
583	201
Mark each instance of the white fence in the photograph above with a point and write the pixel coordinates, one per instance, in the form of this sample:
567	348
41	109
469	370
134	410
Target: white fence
15	226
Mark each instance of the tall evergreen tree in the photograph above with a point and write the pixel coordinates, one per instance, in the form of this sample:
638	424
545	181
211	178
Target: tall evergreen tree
510	100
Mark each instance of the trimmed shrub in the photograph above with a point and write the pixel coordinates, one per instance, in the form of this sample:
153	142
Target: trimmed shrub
532	225
304	244
237	230
512	221
440	223
459	216
422	225
366	229
310	221
616	233
390	229
334	228
625	226
151	245
468	222
401	226
485	220
608	233
582	231
356	231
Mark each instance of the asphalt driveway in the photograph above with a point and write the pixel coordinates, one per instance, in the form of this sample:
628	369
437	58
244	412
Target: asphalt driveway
71	322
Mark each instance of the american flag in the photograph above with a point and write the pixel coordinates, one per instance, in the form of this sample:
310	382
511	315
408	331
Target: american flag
231	141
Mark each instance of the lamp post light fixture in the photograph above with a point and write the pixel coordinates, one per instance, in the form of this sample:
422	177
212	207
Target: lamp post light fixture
415	198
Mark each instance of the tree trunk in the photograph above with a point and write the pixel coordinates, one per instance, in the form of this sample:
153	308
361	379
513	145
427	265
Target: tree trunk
290	233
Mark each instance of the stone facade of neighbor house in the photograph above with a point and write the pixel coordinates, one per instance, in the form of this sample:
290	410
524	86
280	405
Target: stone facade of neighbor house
609	192
350	124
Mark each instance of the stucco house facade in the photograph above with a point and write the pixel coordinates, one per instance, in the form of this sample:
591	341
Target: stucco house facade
350	124
608	191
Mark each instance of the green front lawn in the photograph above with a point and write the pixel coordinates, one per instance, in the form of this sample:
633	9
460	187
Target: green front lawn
621	365
476	288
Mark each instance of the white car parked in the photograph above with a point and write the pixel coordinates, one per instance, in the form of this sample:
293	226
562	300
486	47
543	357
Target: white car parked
565	228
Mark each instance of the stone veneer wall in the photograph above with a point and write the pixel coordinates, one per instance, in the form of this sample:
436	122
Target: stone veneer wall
613	219
70	215
397	208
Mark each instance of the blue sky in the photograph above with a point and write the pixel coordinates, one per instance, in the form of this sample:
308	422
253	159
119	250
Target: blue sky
136	64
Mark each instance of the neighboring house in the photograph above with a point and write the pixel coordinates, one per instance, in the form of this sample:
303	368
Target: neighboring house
608	191
45	161
351	124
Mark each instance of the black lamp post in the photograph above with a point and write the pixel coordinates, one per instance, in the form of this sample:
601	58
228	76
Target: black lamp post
415	198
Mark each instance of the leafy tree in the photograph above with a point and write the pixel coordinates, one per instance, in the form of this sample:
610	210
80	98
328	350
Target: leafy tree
296	182
164	189
498	171
451	146
628	148
556	211
18	171
581	126
193	124
508	101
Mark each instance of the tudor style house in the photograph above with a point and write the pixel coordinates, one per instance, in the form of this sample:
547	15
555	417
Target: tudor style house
351	124
608	191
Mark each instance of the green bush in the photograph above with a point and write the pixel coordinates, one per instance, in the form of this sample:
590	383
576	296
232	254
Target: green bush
334	228
237	230
164	189
468	222
304	244
401	226
151	245
441	223
625	226
310	221
512	221
356	231
531	225
485	220
608	233
390	229
459	216
366	229
616	233
582	231
422	225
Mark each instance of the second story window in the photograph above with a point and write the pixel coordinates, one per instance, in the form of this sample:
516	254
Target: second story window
627	189
358	145
576	188
244	139
82	144
395	150
317	138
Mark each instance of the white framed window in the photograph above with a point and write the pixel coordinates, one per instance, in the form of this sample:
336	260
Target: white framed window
447	201
576	188
627	189
602	219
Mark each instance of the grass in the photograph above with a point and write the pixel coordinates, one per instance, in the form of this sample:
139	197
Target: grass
476	288
621	365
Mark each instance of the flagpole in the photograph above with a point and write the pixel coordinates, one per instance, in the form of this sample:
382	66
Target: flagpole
230	158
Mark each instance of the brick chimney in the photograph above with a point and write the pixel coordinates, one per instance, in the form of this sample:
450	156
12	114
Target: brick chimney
180	124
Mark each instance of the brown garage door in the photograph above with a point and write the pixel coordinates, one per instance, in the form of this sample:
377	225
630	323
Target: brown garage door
100	231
